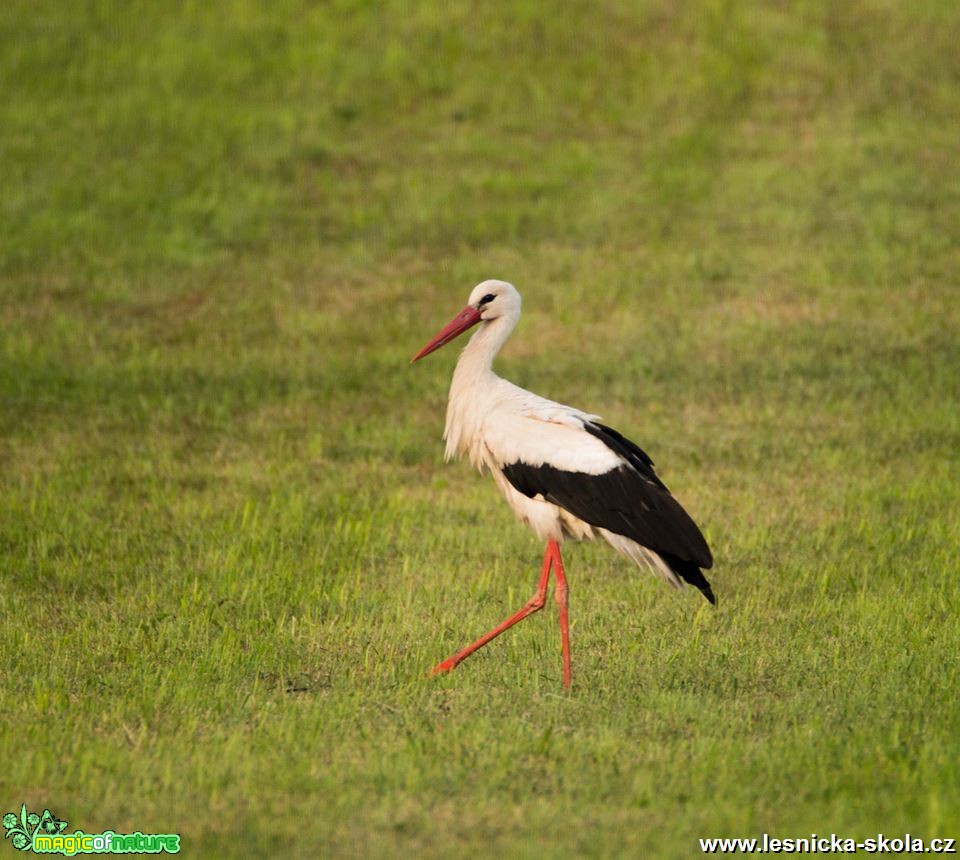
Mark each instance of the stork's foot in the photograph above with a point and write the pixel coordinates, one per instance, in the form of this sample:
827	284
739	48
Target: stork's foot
444	667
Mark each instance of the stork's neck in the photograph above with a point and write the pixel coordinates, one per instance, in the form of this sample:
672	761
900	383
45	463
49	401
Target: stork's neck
475	364
473	382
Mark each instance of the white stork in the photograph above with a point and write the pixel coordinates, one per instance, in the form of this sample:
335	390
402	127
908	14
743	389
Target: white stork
560	469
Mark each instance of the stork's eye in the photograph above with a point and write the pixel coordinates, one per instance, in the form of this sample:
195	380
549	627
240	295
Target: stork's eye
489	297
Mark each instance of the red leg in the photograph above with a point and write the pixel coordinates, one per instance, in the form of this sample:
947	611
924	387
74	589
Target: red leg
534	604
560	592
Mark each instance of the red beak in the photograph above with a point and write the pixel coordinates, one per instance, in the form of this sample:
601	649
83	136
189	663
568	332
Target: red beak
468	317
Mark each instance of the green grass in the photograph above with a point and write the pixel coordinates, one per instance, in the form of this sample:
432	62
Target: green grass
229	548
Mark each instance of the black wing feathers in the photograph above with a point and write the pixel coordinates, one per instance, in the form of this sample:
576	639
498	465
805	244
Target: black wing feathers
631	452
620	501
629	500
699	552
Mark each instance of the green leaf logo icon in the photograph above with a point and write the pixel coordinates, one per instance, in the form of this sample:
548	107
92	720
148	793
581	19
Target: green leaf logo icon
22	829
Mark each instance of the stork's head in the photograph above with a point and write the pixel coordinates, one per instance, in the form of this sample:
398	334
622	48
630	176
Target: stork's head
489	301
494	299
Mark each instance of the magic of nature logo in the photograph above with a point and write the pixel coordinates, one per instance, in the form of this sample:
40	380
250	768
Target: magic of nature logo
45	834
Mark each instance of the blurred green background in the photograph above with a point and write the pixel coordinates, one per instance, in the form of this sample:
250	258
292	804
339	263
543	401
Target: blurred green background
229	548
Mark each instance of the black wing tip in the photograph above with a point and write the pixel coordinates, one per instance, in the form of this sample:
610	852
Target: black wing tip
700	581
689	572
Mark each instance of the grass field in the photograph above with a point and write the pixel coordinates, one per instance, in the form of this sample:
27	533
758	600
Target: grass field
229	547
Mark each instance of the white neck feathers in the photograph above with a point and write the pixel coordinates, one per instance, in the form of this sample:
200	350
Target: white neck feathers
472	386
